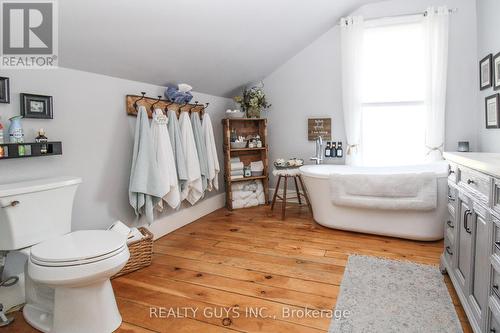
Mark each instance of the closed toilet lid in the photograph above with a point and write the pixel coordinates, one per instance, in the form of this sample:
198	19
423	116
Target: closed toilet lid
86	245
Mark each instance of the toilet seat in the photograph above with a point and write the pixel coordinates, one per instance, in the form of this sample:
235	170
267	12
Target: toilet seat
78	248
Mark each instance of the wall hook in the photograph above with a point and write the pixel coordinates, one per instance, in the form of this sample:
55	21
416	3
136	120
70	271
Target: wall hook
194	106
168	104
135	103
153	105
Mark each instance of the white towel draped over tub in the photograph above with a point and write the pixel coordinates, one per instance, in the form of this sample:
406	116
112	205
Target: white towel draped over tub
410	191
193	190
165	159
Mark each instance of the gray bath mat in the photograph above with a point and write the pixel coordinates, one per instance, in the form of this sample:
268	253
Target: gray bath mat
385	296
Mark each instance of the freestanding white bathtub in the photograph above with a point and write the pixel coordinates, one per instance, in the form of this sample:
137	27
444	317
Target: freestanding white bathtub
416	225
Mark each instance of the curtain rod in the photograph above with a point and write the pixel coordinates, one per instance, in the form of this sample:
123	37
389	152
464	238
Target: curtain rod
424	13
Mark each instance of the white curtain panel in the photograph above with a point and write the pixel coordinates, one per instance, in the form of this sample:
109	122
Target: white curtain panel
351	45
436	24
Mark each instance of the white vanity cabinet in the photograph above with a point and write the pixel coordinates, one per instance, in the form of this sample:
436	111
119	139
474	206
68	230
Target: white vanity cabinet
471	254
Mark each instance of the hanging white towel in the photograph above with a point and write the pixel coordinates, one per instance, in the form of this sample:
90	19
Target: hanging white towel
146	187
213	161
165	159
201	148
193	190
175	139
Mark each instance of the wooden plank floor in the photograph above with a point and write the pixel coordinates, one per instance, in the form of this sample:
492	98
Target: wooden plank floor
247	260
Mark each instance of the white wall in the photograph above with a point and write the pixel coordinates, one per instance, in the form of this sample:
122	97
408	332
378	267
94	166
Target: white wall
488	20
97	136
309	84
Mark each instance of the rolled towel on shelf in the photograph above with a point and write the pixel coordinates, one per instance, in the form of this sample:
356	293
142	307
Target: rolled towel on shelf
237	177
235	160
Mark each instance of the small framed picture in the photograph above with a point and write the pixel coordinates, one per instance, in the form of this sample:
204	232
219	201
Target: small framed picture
492	111
496	72
36	106
485	72
4	90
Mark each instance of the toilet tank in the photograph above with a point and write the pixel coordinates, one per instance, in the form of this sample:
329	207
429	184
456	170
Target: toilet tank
33	211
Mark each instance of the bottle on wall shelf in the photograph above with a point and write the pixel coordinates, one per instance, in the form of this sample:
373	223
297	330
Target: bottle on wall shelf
328	150
333	153
41	138
340	151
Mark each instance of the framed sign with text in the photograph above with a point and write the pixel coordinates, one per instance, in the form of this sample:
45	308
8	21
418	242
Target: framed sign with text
319	127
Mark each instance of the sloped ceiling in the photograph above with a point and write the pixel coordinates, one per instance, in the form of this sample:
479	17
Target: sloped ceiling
217	46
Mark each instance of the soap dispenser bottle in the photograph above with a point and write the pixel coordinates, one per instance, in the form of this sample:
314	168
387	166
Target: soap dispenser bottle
340	151
328	150
334	150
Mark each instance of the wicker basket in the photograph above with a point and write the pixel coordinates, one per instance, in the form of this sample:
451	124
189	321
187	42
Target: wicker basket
141	253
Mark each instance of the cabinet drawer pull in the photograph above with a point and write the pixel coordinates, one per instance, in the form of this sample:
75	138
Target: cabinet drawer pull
470	181
466	221
448	250
450	172
496	291
451	198
450	224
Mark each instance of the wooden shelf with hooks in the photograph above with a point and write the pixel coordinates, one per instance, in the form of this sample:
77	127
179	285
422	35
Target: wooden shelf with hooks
161	104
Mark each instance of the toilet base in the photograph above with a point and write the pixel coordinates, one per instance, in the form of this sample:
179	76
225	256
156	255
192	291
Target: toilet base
83	309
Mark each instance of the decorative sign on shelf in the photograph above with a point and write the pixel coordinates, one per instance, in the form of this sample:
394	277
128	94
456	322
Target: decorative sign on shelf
319	127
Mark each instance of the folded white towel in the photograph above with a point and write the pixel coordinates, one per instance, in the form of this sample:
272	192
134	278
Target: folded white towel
134	236
237	177
244	195
412	191
235	159
245	203
236	172
237	166
257	166
250	185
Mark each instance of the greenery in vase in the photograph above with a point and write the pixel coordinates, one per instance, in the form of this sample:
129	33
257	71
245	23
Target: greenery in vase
252	99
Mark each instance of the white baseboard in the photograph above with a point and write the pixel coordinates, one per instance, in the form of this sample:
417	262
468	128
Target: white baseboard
174	221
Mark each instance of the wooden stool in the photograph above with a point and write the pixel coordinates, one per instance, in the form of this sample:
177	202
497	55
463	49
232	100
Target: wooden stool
287	174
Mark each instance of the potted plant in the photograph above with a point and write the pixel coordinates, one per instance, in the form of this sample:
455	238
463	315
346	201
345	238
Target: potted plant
252	101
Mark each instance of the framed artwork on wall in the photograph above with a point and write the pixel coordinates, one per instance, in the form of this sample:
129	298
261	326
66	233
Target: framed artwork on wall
496	72
492	107
36	106
485	72
4	90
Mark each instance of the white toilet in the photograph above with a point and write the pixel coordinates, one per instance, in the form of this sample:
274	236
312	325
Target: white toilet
67	275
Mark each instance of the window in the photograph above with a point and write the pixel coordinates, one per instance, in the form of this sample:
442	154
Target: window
393	94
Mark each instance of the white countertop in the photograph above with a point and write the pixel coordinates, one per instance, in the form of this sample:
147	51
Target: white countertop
488	163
